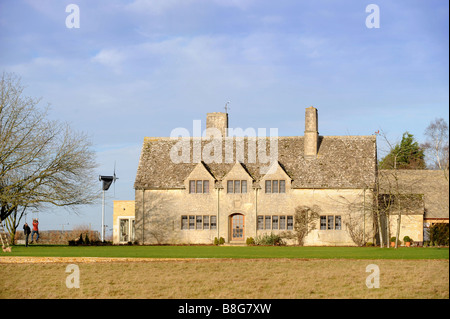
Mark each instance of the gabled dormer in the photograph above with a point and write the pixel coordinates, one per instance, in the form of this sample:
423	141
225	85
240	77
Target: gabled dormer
237	180
200	180
276	181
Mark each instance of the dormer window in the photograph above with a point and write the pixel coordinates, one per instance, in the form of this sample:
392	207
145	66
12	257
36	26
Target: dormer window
198	187
236	187
275	186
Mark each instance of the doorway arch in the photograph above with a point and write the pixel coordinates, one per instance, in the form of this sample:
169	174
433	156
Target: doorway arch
237	227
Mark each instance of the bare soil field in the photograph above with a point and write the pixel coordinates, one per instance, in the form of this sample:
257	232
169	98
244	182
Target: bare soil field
45	277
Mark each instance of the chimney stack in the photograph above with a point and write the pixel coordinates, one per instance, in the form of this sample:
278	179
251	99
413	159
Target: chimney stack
311	139
218	120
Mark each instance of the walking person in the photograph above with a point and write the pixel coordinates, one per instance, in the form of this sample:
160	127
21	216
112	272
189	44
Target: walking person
35	230
26	232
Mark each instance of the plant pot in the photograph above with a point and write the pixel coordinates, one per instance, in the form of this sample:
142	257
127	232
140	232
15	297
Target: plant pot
392	243
408	244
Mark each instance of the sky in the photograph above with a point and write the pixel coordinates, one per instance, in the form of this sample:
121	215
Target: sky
141	68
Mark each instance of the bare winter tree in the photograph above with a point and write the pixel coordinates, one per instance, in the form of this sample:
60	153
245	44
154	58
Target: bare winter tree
393	199
42	162
436	145
305	220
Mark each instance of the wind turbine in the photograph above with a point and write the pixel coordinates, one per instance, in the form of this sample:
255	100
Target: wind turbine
107	181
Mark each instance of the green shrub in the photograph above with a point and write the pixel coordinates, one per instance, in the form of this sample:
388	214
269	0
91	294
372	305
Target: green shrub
407	239
393	239
250	241
369	244
221	241
269	240
216	241
439	234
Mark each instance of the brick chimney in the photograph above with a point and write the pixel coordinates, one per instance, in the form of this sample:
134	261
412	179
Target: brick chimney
311	138
218	120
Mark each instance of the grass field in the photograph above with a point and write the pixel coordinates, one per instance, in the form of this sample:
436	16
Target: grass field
230	252
211	272
230	279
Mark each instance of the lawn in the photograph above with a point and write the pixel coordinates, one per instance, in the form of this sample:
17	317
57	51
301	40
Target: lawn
229	272
229	252
230	279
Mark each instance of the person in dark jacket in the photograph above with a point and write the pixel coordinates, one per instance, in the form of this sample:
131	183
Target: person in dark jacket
26	232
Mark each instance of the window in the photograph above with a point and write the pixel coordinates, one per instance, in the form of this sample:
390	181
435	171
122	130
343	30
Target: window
230	187
260	222
206	222
268	186
274	222
236	187
198	222
213	222
244	187
282	222
323	222
275	186
337	223
267	219
124	224
330	222
290	222
184	222
198	187
282	186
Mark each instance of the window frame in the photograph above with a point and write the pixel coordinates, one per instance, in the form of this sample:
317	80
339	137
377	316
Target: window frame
205	221
236	186
275	186
184	226
330	222
199	186
212	222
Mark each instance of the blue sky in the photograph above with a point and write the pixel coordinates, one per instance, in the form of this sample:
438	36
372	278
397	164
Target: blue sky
142	68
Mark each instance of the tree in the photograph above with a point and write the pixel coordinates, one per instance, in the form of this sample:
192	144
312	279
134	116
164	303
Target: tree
305	219
436	145
394	198
405	155
42	162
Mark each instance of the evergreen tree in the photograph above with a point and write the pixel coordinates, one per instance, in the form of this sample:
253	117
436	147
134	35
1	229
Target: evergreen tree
406	155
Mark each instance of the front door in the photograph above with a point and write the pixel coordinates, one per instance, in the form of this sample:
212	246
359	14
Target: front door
237	227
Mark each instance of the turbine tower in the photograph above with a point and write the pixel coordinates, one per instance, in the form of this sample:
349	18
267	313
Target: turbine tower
106	183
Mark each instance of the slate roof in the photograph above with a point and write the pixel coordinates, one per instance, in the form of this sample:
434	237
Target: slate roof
430	183
342	162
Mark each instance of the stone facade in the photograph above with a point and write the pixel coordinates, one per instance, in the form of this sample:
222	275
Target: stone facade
196	201
424	201
123	221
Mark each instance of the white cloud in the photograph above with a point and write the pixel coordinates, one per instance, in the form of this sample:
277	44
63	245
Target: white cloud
110	57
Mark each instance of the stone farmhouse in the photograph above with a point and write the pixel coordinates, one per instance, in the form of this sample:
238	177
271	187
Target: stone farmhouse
191	190
424	196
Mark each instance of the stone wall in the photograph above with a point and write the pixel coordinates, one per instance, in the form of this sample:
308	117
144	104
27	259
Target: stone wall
164	208
121	209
